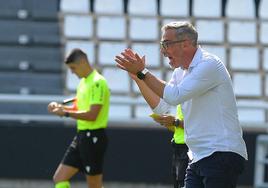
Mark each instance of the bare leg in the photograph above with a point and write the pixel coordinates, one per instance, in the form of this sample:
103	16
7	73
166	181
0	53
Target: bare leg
64	173
94	181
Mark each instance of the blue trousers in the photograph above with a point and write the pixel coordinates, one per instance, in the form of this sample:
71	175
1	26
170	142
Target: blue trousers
219	170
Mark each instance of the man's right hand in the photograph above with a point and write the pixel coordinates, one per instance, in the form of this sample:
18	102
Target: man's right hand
130	61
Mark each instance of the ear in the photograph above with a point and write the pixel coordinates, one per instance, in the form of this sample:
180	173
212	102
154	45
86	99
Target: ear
187	44
83	61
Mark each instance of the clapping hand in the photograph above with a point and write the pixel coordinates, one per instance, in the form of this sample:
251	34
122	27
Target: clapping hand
130	61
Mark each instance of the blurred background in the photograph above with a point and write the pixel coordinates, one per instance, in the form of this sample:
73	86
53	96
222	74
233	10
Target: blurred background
36	36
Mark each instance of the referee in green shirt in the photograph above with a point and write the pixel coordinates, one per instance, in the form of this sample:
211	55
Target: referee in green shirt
90	109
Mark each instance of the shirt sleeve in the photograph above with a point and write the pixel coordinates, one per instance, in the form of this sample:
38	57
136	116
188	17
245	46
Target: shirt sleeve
97	92
204	76
179	113
162	107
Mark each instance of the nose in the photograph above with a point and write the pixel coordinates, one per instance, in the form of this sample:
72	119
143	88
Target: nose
163	51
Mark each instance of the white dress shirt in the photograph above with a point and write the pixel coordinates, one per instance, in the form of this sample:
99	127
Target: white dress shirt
163	107
208	103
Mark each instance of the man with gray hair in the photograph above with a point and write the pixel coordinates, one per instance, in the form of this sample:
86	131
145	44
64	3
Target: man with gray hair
204	90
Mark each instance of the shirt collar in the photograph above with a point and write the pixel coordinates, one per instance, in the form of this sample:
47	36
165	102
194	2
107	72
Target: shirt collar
196	58
90	75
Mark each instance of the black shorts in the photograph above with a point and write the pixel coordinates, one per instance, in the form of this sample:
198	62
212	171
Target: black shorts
86	152
180	162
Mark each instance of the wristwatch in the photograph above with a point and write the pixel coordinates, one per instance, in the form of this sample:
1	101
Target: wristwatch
177	122
141	74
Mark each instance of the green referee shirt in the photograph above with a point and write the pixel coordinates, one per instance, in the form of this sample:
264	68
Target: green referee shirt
178	135
93	90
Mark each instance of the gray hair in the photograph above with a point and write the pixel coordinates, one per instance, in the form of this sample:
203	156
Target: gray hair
183	30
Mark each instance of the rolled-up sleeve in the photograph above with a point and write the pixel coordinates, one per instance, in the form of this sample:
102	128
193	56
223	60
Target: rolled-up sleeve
171	94
162	107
